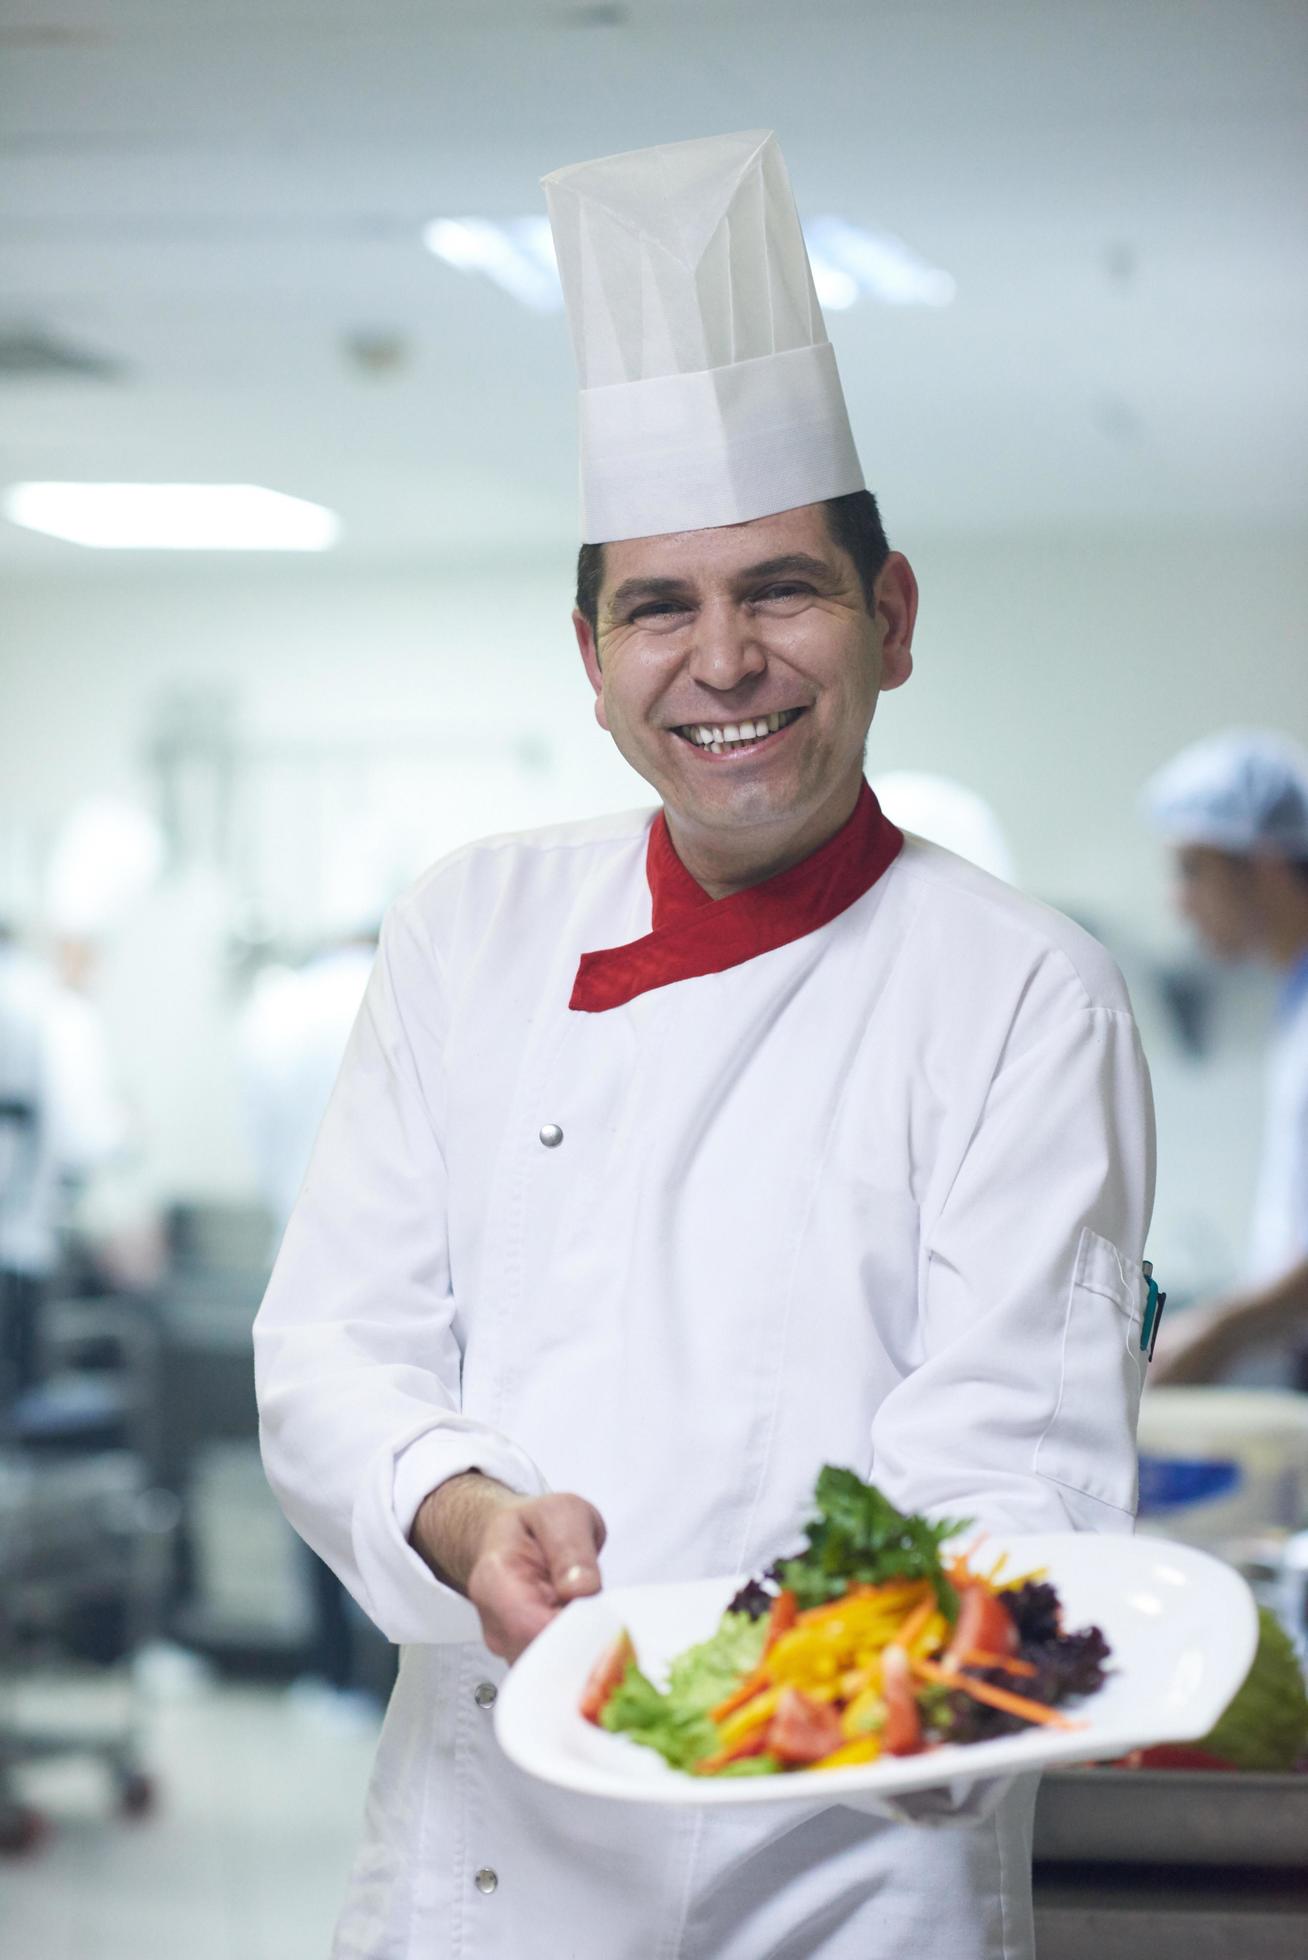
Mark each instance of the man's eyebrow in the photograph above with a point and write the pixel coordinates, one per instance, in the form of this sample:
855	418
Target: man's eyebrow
647	588
795	564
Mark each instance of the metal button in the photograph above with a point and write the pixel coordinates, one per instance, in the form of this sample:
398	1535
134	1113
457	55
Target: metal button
484	1694
551	1135
486	1880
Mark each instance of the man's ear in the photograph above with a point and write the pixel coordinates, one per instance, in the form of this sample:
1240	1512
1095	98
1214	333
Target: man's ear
588	647
896	613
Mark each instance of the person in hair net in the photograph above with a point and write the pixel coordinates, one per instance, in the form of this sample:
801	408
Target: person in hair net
679	1152
1235	810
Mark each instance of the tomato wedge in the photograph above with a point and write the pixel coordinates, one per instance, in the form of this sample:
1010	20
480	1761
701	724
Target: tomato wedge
984	1624
605	1676
902	1734
1173	1755
802	1730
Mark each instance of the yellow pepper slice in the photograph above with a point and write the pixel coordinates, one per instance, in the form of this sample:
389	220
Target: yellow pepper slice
865	1750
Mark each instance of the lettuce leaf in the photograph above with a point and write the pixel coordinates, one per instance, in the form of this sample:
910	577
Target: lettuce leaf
676	1723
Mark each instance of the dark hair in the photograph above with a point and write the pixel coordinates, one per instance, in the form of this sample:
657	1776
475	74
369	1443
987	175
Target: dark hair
853	521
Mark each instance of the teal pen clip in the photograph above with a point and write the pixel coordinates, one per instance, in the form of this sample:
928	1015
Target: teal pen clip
1153	1312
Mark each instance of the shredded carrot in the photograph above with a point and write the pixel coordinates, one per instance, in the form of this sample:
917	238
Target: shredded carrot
785	1608
1030	1711
975	1657
915	1622
751	1685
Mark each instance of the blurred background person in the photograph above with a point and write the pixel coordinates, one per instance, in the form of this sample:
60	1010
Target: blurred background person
1234	809
292	1035
60	1123
948	813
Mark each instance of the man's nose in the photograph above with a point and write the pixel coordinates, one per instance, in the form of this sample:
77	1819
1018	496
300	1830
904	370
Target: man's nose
725	651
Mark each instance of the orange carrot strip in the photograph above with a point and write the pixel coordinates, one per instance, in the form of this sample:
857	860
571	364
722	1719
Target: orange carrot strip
915	1622
785	1609
1030	1711
975	1657
752	1685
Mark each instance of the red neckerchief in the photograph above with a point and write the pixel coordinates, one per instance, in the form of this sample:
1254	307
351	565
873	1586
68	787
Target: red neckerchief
693	934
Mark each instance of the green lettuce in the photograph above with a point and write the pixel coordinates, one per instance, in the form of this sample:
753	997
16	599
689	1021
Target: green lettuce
676	1723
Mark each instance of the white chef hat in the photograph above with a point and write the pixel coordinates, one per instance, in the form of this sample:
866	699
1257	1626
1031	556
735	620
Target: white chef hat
1243	791
948	813
709	392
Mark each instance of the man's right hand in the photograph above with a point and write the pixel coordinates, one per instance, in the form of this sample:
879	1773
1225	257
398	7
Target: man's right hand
518	1559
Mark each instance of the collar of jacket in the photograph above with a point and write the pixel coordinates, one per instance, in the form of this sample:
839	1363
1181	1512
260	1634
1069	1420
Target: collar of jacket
692	934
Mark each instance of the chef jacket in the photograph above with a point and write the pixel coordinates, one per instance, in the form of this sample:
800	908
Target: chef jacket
1279	1238
292	1036
876	1197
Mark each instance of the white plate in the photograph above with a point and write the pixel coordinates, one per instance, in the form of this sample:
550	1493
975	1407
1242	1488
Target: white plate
1182	1628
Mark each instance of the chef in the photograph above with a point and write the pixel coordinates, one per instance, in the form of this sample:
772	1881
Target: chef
1234	809
678	1152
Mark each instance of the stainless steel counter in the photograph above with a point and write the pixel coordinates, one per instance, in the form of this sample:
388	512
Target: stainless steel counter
1171	1865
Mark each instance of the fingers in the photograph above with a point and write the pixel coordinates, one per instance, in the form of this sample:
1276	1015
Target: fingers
536	1557
570	1533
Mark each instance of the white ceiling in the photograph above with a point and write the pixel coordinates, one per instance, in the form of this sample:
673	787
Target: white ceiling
219	197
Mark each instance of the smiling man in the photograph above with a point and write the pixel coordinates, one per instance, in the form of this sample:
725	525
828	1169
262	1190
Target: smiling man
680	1152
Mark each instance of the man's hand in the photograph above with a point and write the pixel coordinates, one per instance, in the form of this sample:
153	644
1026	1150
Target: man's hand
518	1559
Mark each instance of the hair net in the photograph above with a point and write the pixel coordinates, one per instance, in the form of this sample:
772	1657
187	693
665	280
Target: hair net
1244	791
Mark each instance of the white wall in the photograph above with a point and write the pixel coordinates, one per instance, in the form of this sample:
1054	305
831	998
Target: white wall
1051	675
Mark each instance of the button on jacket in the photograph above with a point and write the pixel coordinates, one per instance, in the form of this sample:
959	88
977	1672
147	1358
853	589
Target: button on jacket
876	1197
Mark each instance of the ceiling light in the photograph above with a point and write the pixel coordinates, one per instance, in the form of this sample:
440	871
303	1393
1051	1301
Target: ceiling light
877	264
172	516
516	254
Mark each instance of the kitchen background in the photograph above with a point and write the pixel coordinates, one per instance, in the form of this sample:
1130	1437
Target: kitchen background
297	245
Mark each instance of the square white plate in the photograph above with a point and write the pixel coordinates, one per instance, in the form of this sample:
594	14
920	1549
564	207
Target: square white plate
1182	1628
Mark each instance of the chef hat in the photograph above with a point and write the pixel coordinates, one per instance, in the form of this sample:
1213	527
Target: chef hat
709	392
948	813
1241	791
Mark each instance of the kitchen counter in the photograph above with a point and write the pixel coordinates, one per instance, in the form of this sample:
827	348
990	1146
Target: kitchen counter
1171	1865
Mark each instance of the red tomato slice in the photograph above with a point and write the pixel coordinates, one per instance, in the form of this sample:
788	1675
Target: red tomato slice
605	1676
1174	1755
985	1626
902	1735
802	1730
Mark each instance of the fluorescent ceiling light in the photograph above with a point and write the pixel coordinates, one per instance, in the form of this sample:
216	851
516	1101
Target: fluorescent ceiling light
516	254
172	516
849	264
852	262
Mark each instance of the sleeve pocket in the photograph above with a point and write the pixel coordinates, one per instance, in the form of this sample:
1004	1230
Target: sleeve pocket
1089	1444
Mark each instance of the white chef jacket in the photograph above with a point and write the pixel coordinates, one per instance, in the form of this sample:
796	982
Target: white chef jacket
877	1197
1279	1237
291	1037
54	1065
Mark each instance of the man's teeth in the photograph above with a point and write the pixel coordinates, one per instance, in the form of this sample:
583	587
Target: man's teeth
739	731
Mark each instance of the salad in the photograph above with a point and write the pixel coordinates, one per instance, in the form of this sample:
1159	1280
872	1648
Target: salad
870	1641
